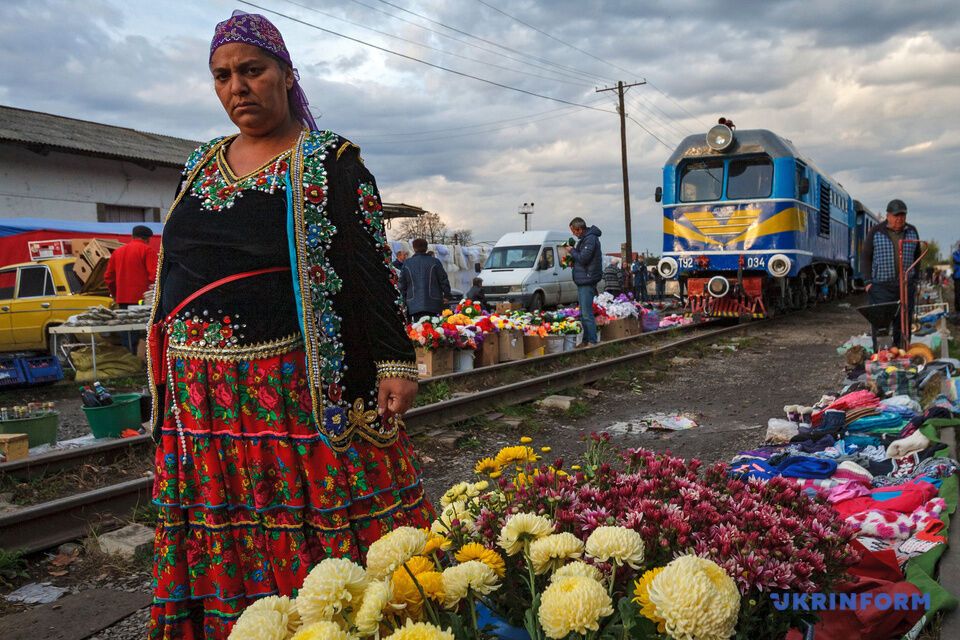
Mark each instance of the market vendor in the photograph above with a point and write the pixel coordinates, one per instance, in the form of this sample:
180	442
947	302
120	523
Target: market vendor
132	268
885	263
279	396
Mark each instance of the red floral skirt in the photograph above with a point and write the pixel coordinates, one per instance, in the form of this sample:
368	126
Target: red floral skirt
259	497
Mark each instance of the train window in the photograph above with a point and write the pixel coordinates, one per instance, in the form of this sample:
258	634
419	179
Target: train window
752	178
702	181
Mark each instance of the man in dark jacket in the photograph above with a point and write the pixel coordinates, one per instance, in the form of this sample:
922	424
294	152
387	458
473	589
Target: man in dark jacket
613	279
883	260
423	283
956	282
639	271
587	272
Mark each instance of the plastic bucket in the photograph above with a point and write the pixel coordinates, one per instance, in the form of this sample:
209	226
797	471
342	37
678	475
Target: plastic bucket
111	420
569	342
463	360
554	344
40	430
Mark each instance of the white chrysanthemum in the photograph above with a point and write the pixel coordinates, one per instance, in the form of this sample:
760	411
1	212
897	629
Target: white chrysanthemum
420	631
332	586
323	630
551	552
696	599
578	568
616	544
376	598
393	549
472	574
573	604
268	613
521	527
458	511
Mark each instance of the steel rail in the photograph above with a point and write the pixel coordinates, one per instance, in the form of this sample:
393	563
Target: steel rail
44	464
461	408
52	523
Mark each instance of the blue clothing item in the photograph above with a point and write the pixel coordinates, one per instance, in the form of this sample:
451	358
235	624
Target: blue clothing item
883	420
585	294
424	284
747	468
588	258
806	467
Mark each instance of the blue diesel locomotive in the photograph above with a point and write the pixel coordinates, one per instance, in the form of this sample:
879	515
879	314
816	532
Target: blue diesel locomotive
751	226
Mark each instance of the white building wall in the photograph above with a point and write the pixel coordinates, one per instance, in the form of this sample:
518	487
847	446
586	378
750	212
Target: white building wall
68	186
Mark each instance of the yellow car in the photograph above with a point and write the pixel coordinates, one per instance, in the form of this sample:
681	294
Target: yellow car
35	296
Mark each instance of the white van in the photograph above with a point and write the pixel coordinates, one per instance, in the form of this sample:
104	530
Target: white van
524	267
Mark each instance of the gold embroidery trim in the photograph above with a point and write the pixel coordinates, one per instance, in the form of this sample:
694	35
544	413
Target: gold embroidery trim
237	353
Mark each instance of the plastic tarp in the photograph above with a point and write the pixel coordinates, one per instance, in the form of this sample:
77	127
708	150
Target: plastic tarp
15	233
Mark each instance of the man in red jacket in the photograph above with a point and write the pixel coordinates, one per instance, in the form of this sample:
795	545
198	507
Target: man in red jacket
132	268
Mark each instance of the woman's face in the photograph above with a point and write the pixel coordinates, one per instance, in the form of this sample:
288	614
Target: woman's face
252	87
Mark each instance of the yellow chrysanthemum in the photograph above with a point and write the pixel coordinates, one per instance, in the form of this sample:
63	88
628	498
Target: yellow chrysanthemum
376	598
486	466
420	631
323	630
616	544
641	595
489	557
454	511
435	542
578	568
393	549
332	586
551	552
471	575
270	618
521	527
405	592
573	604
696	599
516	455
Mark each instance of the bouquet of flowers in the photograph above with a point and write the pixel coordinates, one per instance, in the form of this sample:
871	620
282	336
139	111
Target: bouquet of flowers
657	547
424	334
469	308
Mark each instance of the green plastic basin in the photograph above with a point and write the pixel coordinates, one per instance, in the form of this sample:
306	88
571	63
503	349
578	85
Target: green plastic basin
111	420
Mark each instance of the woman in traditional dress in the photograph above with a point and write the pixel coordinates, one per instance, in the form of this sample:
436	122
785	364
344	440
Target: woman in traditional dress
279	364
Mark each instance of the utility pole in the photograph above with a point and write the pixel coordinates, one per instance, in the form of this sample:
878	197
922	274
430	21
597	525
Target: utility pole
623	157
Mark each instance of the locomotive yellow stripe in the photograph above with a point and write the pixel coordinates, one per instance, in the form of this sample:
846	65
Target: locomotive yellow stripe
709	224
678	230
787	220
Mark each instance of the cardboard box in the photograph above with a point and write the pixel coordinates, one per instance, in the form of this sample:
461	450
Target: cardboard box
633	326
99	249
142	349
82	268
534	346
511	345
489	352
506	307
434	363
614	330
14	446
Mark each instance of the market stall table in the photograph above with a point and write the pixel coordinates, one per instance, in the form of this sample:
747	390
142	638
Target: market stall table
92	330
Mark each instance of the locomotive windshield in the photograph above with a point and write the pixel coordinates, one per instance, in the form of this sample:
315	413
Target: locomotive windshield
746	178
702	181
751	178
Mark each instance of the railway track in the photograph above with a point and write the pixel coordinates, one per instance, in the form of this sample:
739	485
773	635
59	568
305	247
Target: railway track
51	523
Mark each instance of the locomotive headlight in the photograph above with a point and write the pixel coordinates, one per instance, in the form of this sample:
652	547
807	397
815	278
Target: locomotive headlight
667	267
720	137
718	286
779	265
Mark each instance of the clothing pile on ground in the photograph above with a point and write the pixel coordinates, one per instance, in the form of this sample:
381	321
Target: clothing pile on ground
879	462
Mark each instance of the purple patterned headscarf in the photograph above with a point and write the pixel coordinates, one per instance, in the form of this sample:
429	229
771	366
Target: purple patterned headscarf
255	29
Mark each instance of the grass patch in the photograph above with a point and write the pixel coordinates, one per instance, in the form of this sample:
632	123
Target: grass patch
12	567
433	392
578	409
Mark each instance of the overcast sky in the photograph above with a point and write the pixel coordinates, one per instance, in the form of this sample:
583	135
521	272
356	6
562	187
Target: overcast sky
869	90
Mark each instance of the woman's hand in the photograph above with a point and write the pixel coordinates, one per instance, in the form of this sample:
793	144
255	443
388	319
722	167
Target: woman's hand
396	396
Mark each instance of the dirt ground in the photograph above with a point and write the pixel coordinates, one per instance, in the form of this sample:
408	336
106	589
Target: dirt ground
730	388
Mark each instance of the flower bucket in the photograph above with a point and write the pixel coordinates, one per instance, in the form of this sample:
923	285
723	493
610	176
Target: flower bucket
570	342
498	626
554	344
463	360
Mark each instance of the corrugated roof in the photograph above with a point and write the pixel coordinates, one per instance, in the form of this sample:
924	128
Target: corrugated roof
47	131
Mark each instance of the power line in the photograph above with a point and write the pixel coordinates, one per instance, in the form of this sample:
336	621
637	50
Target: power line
655	119
468	44
432	48
650	106
670	147
490	42
421	61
